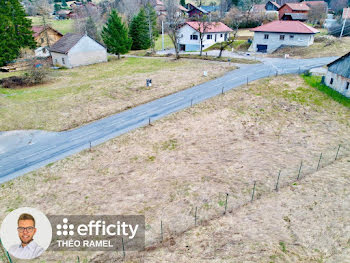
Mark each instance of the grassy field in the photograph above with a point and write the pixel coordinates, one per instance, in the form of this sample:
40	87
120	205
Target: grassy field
167	42
81	95
320	48
63	26
193	158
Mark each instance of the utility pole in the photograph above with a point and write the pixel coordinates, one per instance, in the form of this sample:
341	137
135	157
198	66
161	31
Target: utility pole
346	16
162	35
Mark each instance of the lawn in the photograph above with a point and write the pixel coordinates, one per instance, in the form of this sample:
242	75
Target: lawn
167	42
77	96
188	161
63	26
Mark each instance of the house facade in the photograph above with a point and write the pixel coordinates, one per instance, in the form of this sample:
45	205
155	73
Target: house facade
74	50
195	11
271	36
212	33
290	8
338	75
45	36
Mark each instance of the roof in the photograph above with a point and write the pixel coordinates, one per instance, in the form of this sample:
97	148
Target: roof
286	27
274	3
296	16
297	6
210	8
346	13
198	8
38	29
341	66
259	8
211	27
183	8
66	43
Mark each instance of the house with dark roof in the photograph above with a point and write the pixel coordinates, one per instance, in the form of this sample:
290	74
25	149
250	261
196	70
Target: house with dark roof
294	17
74	50
195	11
212	33
338	75
210	8
271	36
291	8
272	6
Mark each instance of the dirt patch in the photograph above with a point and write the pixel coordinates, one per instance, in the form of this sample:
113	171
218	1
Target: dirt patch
192	159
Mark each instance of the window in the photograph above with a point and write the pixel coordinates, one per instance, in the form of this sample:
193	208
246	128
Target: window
221	35
209	37
266	36
291	36
194	37
63	61
347	85
42	40
281	37
331	82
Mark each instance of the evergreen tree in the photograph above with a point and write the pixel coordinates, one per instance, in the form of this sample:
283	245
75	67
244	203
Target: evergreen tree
183	3
139	31
15	30
64	3
115	35
57	7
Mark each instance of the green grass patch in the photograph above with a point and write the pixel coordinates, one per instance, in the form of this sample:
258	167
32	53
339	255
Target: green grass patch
63	26
315	81
234	45
223	59
167	42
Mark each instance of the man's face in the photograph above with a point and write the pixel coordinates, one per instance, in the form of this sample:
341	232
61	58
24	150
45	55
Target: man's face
26	230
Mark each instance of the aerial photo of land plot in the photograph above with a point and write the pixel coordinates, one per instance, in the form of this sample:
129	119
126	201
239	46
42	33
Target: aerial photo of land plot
175	131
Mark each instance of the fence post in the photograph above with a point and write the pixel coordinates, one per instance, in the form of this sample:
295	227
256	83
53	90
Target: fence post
222	91
253	191
149	121
78	259
191	103
161	230
319	162
123	248
301	165
226	203
278	179
336	156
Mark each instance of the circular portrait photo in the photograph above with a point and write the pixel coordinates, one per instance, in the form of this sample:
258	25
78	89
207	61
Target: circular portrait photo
26	233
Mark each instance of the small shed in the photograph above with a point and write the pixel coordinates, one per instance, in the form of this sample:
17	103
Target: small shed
338	75
74	50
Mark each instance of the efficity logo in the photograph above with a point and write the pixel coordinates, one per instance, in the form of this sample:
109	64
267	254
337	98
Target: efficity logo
98	233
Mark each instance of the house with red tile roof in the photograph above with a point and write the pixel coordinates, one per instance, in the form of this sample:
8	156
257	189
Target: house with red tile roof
346	13
190	32
271	36
292	8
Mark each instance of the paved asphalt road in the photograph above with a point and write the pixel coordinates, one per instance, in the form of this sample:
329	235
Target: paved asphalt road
18	161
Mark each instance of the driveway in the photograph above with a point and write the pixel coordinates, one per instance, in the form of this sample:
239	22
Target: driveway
18	159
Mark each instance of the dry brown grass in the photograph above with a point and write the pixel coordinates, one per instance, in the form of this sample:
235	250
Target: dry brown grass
323	48
81	95
191	159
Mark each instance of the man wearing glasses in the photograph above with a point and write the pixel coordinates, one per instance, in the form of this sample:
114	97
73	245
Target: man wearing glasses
28	249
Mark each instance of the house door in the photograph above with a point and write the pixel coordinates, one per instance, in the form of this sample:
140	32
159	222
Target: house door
215	37
262	48
182	47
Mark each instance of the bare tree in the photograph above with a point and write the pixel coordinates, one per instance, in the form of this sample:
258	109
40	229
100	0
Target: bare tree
317	14
173	21
129	8
338	5
247	7
43	9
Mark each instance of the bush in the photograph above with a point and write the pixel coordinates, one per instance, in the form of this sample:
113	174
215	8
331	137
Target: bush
33	77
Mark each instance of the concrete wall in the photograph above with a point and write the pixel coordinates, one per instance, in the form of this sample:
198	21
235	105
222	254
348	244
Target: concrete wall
60	60
86	52
194	45
274	41
339	84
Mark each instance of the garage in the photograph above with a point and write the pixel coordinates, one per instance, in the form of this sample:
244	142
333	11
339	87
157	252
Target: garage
261	48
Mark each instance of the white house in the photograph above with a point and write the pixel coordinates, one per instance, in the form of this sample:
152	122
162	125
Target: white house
338	75
190	32
74	50
271	36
